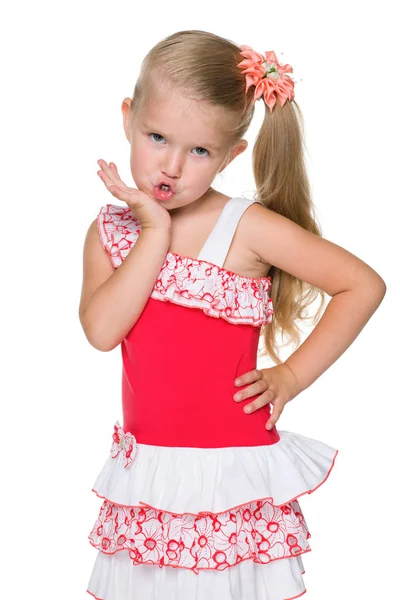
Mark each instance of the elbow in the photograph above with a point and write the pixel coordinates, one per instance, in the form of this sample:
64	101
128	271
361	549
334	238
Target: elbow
375	289
373	284
379	288
96	338
101	346
97	342
381	291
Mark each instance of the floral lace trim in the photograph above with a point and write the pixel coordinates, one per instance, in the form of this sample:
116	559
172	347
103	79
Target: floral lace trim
259	531
188	281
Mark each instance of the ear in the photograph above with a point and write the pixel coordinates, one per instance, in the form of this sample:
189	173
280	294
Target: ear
234	152
126	114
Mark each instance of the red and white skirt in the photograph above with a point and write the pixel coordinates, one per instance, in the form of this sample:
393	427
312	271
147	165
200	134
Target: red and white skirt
204	523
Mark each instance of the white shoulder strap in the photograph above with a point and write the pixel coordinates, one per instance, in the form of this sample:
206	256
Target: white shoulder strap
219	241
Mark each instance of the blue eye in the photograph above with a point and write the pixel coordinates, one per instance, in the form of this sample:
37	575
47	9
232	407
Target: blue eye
158	135
200	148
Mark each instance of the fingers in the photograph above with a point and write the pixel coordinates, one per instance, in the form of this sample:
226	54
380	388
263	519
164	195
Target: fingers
277	411
114	169
248	377
106	179
109	175
256	388
270	386
259	402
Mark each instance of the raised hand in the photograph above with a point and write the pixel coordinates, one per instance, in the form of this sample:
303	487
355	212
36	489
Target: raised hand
277	385
150	213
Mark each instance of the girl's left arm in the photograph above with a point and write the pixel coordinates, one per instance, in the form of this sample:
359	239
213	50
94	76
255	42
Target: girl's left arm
356	290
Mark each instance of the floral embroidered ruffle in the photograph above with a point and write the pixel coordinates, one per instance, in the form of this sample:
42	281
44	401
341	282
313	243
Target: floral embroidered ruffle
187	281
259	531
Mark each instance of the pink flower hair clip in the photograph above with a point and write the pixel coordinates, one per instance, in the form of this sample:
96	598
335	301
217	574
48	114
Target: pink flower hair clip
268	76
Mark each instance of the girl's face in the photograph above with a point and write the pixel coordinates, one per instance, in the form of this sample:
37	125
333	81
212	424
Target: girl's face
179	141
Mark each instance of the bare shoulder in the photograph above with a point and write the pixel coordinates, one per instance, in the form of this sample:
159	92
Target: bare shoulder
97	265
280	242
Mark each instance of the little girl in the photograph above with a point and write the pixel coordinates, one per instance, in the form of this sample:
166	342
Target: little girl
200	490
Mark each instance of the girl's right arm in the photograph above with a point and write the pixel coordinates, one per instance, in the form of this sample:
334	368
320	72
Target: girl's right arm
112	300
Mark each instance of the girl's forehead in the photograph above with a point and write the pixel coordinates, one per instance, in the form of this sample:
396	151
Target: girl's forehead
174	111
175	105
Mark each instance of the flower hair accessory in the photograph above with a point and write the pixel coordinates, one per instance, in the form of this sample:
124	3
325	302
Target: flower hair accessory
268	76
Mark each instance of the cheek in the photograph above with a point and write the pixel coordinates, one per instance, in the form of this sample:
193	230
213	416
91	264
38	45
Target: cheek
205	172
140	158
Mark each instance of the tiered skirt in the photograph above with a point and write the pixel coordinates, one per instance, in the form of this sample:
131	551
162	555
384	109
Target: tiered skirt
204	523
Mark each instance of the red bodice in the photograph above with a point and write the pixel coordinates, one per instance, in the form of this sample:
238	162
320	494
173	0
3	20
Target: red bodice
179	367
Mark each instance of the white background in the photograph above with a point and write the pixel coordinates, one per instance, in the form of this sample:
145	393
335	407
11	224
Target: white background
66	68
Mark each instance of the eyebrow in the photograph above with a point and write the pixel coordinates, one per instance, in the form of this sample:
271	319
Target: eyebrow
212	146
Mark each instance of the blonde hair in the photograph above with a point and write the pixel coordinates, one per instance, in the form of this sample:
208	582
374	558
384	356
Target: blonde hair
204	66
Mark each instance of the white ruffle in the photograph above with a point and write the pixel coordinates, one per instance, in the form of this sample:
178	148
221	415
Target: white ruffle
219	293
214	480
114	578
188	281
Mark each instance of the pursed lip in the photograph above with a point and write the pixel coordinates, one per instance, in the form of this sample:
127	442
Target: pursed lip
171	187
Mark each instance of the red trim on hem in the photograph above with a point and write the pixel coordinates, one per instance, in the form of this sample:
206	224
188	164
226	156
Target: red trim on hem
316	487
154	564
294	597
210	513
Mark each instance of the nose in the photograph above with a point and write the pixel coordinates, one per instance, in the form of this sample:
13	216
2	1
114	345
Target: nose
173	164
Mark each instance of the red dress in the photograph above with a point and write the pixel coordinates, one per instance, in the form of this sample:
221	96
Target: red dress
192	482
